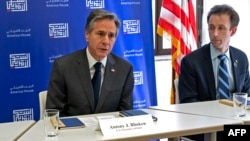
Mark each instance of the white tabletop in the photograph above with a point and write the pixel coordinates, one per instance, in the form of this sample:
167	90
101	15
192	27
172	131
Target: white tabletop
12	130
169	125
207	108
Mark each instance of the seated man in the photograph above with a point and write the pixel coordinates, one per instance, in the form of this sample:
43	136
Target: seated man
70	87
199	78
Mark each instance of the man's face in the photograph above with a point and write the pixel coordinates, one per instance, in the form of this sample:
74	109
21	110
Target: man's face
102	38
220	31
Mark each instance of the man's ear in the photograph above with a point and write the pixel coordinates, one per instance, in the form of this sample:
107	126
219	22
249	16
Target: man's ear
233	30
86	36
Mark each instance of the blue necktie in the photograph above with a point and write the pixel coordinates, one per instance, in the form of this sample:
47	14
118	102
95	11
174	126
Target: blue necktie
96	80
223	83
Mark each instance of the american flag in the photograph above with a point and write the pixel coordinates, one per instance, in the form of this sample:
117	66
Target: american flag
177	19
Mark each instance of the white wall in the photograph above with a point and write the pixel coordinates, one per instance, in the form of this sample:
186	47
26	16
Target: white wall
241	38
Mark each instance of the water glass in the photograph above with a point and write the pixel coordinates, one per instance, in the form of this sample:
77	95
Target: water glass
239	103
51	120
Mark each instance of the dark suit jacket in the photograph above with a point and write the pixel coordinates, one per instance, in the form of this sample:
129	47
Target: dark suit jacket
70	88
196	80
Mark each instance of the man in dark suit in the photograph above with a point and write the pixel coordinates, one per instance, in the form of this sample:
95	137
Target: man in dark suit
198	80
70	87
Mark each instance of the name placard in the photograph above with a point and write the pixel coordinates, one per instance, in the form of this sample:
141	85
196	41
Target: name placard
126	125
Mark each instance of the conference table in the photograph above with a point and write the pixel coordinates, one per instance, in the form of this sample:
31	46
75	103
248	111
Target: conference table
11	131
207	108
169	125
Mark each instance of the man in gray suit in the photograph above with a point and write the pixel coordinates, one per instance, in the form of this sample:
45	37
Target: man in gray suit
70	89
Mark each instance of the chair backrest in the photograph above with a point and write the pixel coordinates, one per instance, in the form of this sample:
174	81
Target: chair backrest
42	102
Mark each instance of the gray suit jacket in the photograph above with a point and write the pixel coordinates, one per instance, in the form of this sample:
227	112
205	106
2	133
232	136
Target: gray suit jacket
197	82
70	88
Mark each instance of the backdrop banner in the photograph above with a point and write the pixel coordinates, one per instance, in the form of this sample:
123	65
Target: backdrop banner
36	32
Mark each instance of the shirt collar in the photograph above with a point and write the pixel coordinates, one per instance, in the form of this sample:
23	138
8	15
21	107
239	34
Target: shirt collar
92	60
215	53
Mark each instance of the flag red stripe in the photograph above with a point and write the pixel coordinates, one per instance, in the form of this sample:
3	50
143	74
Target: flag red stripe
192	19
187	32
171	28
177	18
171	6
178	12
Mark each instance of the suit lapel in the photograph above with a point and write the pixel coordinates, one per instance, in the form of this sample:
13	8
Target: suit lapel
110	73
234	61
84	76
207	63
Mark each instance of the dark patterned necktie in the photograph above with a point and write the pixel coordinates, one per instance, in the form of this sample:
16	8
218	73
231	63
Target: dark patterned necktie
223	83
96	80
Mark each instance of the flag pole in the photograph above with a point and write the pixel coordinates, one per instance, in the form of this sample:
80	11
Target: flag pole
172	96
